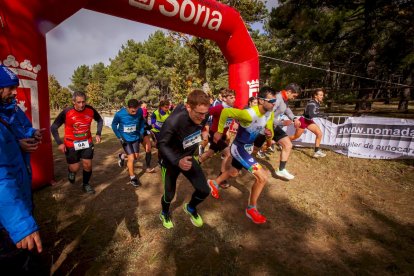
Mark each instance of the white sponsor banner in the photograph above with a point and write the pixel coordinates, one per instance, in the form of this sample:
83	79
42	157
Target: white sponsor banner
364	137
108	121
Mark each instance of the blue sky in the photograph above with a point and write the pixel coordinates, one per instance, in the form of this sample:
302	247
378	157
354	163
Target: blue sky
89	37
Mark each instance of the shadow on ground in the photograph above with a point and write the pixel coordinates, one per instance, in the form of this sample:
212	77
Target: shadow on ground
326	221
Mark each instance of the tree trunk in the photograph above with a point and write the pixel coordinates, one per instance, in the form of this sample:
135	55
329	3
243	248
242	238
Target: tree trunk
200	47
405	95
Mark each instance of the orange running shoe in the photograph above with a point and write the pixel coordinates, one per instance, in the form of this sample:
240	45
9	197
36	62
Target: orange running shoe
214	188
255	216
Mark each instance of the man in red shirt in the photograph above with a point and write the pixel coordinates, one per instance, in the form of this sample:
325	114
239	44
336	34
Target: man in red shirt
77	143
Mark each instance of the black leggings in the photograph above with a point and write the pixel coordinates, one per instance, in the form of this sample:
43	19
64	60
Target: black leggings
196	177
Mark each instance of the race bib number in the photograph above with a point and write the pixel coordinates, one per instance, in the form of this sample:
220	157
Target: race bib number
80	145
129	129
192	139
159	124
248	148
228	122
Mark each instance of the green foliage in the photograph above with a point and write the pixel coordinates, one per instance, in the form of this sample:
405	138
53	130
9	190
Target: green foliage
80	78
94	92
98	73
250	10
59	97
366	38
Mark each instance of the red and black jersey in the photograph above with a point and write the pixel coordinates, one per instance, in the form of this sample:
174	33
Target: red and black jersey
77	125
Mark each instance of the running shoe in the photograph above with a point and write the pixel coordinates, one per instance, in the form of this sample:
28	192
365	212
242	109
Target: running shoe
121	160
261	154
150	170
284	174
195	218
134	182
214	188
166	220
87	188
319	154
255	216
71	177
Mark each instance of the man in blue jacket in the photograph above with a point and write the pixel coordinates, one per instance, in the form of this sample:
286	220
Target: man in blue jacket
128	126
17	224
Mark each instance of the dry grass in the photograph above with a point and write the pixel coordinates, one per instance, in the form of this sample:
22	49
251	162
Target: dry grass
338	216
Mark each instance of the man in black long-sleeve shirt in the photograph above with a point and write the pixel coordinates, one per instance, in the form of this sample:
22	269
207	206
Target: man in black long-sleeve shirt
179	138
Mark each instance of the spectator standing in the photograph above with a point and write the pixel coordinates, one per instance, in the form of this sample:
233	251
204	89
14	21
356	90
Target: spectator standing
19	232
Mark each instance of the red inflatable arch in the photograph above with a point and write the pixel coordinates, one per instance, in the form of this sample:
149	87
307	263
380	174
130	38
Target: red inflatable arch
23	25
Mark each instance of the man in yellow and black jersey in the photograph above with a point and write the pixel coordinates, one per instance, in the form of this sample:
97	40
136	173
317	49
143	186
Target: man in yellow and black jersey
159	116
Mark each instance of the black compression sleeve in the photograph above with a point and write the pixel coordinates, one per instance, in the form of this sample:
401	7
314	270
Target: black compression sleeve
60	120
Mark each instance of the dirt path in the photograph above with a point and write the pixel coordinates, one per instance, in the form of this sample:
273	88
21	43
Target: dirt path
338	216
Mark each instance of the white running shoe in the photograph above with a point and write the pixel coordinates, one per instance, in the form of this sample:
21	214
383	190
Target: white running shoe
319	154
284	174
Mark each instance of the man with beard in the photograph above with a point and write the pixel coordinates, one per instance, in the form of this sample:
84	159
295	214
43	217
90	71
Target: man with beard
19	232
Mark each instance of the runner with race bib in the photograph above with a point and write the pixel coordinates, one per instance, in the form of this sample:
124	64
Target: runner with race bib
179	138
77	142
252	121
128	126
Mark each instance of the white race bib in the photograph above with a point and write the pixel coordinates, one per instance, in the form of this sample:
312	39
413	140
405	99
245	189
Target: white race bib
129	129
80	145
192	139
248	148
228	122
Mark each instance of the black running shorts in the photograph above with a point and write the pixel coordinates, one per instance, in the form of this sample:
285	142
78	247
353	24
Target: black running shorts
279	133
131	147
74	156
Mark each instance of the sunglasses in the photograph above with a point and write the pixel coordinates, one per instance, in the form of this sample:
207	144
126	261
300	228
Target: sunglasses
272	101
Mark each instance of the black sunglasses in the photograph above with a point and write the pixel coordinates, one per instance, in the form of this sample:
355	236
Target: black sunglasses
272	101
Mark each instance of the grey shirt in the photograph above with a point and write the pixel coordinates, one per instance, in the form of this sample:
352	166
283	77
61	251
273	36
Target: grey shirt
281	107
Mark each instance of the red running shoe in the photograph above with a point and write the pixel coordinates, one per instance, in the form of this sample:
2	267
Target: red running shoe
214	188
255	216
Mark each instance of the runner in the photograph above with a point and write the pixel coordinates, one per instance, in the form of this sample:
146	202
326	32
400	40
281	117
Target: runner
77	142
128	126
251	122
228	99
306	122
281	108
146	143
179	138
159	116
